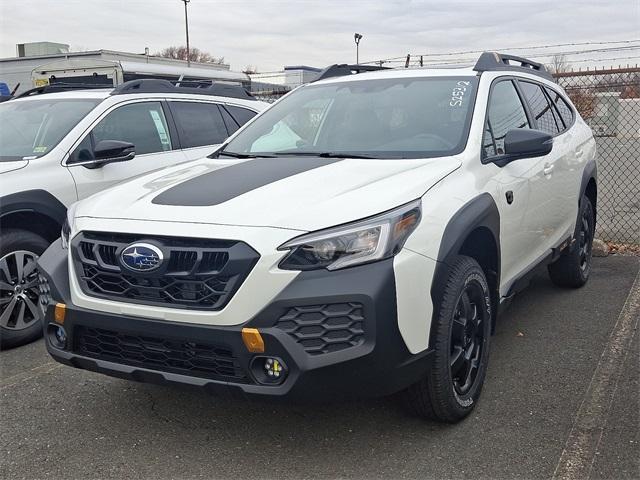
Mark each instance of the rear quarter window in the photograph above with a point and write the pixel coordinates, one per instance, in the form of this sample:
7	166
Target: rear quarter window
566	113
241	115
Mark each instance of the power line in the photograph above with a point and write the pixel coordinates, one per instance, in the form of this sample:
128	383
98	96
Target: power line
626	46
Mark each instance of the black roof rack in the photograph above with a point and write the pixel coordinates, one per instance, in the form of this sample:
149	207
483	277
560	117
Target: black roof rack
493	61
62	87
339	70
197	87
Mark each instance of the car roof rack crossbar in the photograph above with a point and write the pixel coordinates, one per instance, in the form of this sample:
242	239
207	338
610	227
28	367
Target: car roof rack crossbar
343	69
197	87
493	61
62	87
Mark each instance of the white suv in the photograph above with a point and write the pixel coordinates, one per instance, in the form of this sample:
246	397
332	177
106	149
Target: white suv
357	238
56	148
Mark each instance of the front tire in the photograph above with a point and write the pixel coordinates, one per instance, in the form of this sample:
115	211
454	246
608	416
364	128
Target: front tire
572	269
451	388
20	309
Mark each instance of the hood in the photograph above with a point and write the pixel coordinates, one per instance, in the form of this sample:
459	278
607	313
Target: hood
12	165
298	193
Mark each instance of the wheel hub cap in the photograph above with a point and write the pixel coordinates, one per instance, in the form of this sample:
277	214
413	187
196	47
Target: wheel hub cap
467	338
19	293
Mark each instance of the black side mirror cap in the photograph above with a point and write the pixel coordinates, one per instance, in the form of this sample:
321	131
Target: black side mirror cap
110	151
523	143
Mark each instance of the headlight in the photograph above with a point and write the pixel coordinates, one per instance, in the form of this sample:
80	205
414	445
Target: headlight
65	233
364	241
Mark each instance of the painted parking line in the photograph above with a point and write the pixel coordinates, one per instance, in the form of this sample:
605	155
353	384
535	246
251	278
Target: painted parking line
29	374
580	450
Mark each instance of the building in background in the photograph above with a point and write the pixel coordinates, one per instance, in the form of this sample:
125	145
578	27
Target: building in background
43	63
285	80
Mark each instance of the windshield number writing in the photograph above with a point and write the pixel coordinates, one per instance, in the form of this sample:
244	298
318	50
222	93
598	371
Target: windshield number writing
457	94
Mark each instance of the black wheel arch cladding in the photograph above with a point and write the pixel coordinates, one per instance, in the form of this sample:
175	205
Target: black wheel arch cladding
589	173
480	212
33	201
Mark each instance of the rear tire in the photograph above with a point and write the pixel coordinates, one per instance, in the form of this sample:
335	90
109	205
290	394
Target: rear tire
20	310
573	267
451	388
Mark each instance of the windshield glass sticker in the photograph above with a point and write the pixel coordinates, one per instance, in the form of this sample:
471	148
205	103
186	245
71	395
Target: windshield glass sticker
39	149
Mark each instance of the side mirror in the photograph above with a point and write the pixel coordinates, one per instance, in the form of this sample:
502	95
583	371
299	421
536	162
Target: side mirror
523	143
111	151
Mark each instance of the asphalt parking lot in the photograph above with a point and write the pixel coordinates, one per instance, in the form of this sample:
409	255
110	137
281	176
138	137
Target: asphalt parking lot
561	397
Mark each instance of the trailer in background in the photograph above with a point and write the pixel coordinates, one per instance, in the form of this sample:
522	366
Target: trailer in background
107	67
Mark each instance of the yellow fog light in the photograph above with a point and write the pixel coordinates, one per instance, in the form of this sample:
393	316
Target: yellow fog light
253	340
59	312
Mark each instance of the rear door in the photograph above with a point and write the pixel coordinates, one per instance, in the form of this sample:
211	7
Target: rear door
557	179
200	126
576	141
143	123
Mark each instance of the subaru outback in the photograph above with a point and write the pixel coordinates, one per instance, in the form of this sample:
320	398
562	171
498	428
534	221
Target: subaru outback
358	238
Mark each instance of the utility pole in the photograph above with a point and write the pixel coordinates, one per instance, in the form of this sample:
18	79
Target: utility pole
357	37
186	28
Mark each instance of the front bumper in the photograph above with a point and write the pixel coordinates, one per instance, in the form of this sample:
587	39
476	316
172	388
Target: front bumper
304	327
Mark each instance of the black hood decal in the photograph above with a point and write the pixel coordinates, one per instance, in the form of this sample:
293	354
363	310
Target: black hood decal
226	183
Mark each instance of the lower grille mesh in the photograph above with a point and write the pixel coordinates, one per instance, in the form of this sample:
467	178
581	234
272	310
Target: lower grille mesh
177	356
325	328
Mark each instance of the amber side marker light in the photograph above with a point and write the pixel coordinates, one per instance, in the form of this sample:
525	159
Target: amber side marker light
59	312
253	340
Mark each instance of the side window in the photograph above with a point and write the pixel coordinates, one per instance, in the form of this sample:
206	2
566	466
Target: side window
241	115
540	107
142	124
563	107
505	113
199	124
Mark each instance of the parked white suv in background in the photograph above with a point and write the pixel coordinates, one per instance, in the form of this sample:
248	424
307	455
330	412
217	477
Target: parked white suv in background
56	148
357	238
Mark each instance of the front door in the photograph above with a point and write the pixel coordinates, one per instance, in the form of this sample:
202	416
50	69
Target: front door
142	123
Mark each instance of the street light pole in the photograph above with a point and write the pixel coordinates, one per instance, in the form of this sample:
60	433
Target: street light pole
357	37
186	27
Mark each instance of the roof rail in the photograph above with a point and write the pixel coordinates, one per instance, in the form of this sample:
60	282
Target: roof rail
62	87
493	61
198	87
343	69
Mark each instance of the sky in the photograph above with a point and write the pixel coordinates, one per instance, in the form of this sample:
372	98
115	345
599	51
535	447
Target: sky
269	34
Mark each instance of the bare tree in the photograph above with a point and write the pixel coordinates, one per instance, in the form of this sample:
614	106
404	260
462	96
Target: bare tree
558	63
584	99
195	55
250	69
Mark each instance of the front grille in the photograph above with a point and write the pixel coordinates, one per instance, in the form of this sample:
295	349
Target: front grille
196	273
185	357
325	328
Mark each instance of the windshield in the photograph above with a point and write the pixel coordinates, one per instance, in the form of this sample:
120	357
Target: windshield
389	118
30	129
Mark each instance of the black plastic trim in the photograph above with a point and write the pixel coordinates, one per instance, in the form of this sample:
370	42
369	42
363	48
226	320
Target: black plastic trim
590	172
493	61
343	69
152	85
481	211
38	201
381	365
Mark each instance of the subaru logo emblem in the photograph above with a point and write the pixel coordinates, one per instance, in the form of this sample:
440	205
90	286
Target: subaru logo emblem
141	257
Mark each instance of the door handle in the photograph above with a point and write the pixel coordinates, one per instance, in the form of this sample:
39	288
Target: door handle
548	168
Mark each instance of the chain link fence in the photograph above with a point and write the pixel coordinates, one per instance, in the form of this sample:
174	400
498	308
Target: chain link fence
609	101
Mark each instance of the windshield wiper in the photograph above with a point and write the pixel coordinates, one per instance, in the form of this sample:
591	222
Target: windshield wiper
326	155
242	155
